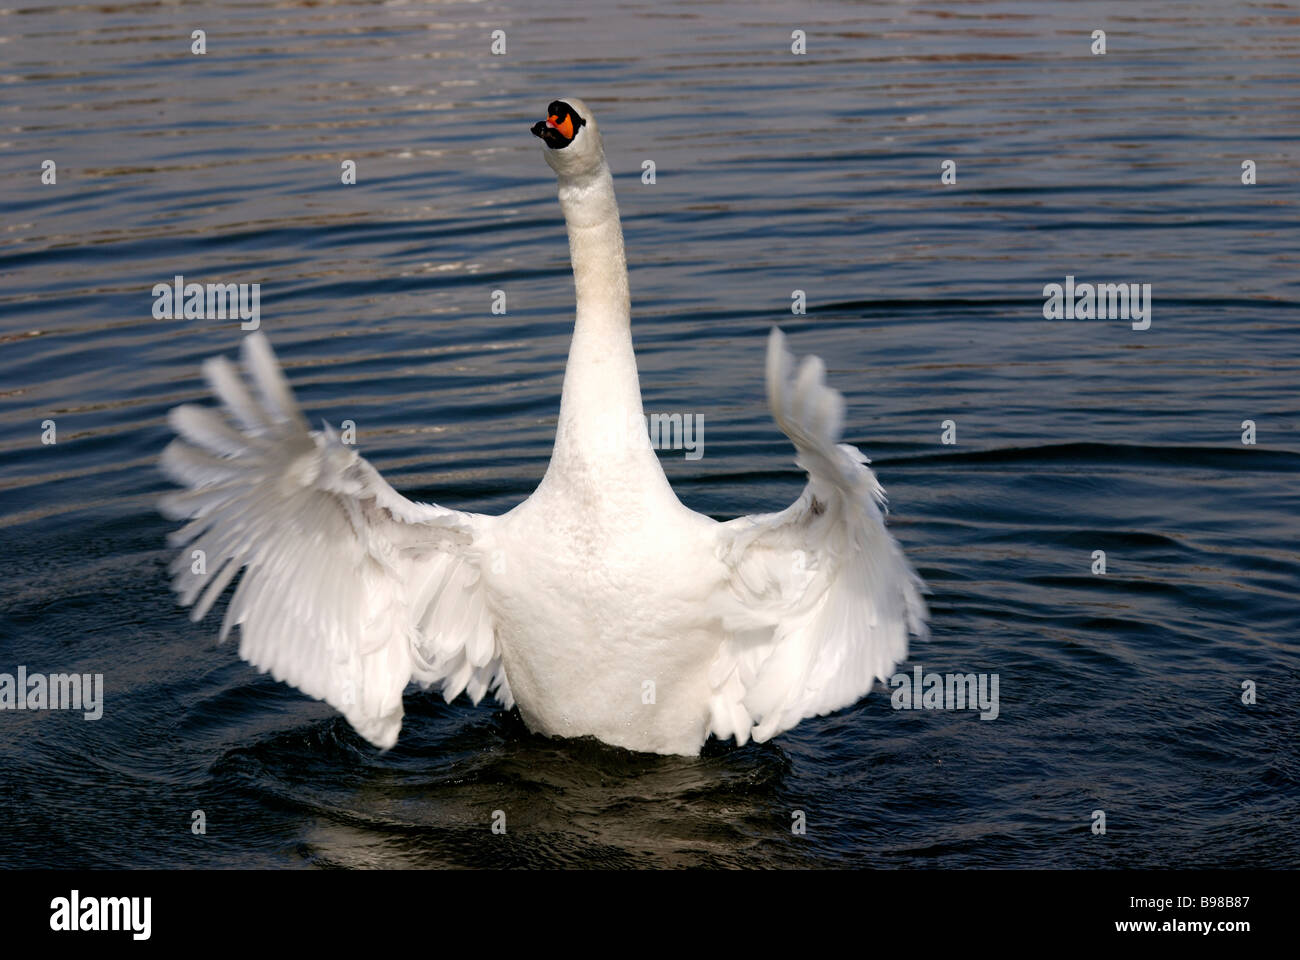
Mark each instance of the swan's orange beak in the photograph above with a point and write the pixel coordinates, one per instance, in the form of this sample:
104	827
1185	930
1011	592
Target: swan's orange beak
560	126
565	126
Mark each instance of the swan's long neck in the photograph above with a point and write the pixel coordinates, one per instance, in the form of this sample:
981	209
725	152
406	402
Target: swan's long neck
601	427
599	264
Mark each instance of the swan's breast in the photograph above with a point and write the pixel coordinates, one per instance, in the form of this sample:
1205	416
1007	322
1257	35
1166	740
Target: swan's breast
602	623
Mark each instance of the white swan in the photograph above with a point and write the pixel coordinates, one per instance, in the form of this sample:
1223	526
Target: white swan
600	605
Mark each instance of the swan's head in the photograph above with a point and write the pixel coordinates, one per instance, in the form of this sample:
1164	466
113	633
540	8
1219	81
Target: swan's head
572	139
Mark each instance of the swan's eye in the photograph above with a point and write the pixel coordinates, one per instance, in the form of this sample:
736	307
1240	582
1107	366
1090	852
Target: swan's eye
560	126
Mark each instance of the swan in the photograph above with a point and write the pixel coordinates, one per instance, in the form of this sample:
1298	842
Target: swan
600	606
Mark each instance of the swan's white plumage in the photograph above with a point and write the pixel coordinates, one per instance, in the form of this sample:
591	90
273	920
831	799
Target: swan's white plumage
598	588
826	597
351	591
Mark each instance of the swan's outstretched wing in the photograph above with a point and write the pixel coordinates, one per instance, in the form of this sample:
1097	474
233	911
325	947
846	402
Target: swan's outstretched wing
350	591
820	596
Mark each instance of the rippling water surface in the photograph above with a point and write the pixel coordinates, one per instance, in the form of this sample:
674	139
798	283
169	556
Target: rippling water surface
774	172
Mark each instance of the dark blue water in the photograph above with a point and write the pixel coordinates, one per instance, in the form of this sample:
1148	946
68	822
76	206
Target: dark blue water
774	172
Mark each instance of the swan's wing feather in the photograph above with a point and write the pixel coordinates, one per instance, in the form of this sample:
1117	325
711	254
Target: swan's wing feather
820	598
350	591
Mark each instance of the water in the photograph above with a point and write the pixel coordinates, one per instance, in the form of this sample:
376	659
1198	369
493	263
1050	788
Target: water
774	172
